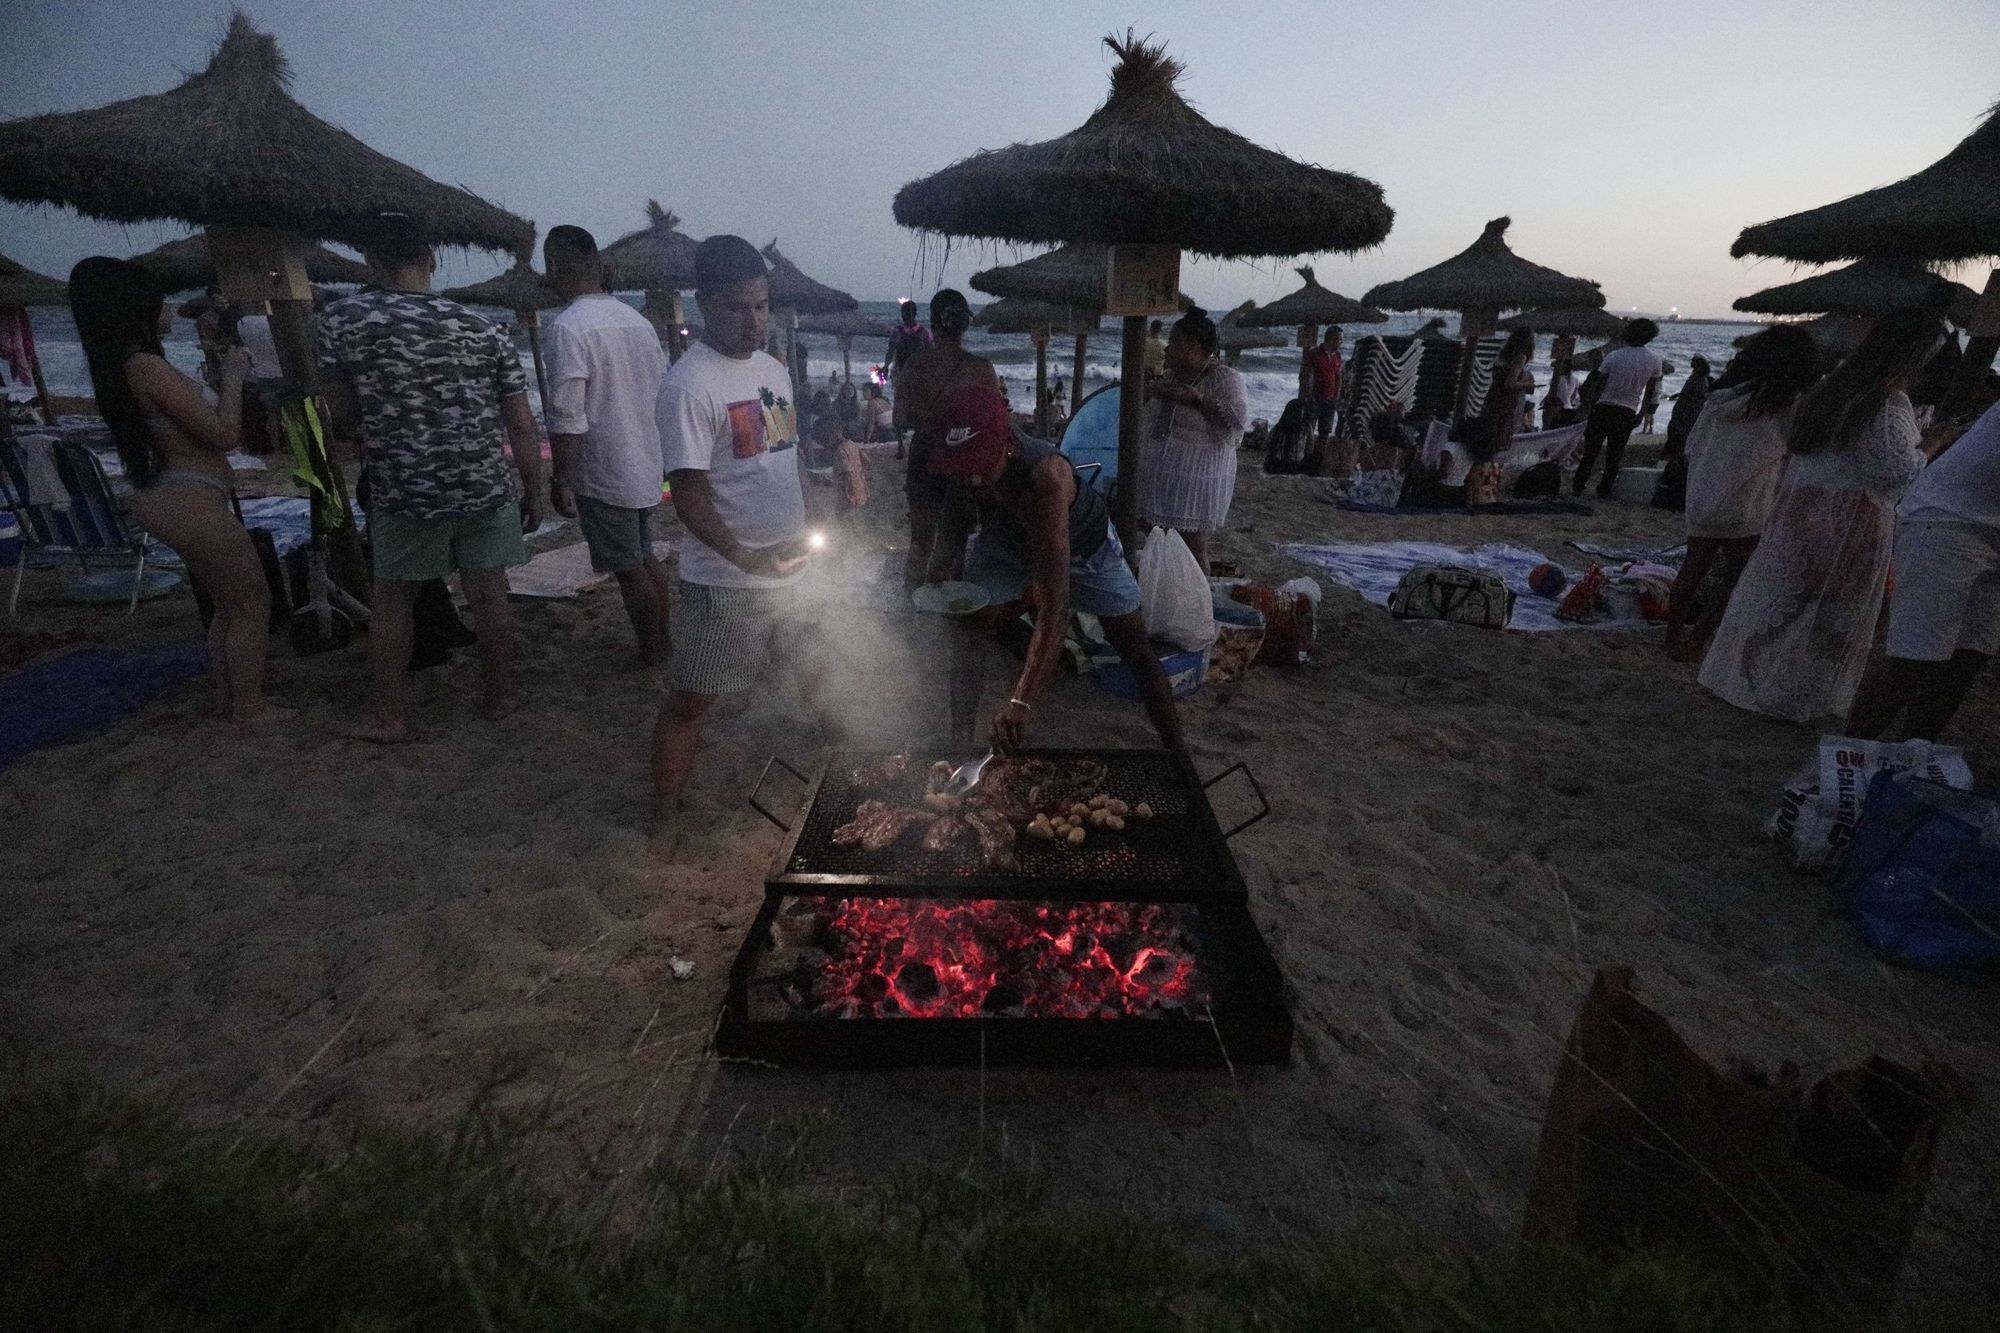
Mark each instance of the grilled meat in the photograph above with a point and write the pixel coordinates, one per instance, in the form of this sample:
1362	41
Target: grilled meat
947	830
876	825
996	835
881	772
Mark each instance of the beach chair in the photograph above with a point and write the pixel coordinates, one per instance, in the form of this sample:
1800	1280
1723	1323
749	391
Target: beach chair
58	493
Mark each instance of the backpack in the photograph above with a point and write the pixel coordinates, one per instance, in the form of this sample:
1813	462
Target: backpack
1452	592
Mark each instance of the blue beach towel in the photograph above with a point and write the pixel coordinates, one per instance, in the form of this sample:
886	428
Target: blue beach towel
74	695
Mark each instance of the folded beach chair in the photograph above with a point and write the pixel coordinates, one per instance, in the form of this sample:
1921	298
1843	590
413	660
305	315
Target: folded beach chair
57	492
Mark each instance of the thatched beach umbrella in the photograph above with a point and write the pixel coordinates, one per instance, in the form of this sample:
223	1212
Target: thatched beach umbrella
1573	322
230	149
1233	339
1147	169
526	293
1069	277
25	287
845	326
1307	309
1944	214
1868	287
657	259
794	294
187	264
1482	280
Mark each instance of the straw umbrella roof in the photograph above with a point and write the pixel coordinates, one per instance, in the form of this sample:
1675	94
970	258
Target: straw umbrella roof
844	324
1486	275
1311	304
1947	212
229	145
185	264
656	258
519	288
1575	322
21	286
1871	286
1017	314
1232	336
793	290
1070	275
1147	168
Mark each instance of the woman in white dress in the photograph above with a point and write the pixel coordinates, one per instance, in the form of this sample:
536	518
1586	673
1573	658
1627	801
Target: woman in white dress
1735	455
1187	474
1795	639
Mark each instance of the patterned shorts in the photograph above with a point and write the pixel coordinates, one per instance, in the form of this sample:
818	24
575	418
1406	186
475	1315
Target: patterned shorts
725	639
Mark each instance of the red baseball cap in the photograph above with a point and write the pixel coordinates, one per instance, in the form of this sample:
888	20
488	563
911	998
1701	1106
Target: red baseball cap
977	429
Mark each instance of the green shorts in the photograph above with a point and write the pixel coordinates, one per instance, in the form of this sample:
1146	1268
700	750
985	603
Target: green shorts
414	549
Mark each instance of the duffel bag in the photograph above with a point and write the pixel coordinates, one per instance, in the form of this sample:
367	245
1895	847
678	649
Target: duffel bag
1453	592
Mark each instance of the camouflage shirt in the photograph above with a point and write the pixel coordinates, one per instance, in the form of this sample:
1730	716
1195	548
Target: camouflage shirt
428	377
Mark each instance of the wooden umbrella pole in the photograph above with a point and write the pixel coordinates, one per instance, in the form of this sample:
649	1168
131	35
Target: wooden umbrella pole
532	321
1041	337
1131	409
41	392
1076	374
847	359
1308	337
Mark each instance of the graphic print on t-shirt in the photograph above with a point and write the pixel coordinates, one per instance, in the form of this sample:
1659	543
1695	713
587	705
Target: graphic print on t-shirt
766	423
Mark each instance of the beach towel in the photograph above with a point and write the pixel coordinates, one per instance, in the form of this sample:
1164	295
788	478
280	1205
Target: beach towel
1373	569
17	345
73	695
1498	507
565	572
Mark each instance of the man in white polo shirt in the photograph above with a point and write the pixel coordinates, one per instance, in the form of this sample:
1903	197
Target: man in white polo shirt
1944	614
1631	376
604	368
729	433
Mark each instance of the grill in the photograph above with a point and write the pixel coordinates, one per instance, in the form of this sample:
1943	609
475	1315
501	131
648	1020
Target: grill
1136	948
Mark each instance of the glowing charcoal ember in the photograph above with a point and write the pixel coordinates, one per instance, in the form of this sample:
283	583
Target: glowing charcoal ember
927	958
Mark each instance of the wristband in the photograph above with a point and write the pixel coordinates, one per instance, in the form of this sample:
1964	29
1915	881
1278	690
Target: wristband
1022	702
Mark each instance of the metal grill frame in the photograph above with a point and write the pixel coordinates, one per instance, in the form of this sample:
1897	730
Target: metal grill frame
1246	1021
1208	870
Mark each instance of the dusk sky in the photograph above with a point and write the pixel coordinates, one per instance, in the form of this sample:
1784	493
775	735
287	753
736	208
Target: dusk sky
1629	143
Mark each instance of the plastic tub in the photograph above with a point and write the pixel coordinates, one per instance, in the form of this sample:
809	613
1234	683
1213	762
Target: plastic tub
1185	672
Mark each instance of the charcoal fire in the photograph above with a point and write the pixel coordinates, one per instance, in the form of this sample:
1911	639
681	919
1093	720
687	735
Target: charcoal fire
898	957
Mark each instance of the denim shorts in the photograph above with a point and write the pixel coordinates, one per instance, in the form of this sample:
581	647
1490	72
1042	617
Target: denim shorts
1102	585
619	539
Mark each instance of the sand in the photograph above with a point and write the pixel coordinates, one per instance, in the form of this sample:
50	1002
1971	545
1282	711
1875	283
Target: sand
305	933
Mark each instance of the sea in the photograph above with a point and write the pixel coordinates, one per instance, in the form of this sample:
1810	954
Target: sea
1270	374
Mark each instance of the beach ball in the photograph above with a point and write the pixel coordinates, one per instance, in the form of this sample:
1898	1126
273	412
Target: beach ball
1547	580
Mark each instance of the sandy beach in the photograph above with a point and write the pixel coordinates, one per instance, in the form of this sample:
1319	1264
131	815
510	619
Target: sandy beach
307	933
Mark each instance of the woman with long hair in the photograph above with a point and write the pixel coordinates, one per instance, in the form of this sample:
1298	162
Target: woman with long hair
1500	415
1735	455
1200	410
174	447
1794	641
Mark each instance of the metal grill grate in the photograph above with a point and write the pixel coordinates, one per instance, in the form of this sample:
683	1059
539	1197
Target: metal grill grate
1179	844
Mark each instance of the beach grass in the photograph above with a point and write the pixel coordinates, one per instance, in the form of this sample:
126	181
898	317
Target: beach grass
114	1213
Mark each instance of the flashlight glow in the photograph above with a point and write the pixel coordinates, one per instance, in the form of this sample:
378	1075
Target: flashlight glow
816	540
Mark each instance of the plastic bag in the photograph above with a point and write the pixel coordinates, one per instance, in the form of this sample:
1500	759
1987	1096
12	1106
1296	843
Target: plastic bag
1921	878
1173	592
1820	816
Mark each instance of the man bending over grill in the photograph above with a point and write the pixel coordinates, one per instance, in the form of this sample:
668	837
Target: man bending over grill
1042	542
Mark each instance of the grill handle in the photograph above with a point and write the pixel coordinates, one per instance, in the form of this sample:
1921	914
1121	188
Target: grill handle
1264	806
757	790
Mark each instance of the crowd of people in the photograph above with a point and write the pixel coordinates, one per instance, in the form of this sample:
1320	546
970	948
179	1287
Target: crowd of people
1801	490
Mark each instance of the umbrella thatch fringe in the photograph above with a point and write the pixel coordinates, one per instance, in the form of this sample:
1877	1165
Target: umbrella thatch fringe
24	287
1312	304
1871	286
655	258
229	145
186	264
1486	275
793	290
519	288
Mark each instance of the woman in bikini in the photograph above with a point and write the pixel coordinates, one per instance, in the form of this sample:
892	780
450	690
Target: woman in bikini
174	447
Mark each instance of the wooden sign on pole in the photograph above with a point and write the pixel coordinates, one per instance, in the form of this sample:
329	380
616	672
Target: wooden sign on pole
1143	280
256	265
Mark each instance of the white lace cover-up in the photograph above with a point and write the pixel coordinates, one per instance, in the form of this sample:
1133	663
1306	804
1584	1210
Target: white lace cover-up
1795	639
1187	472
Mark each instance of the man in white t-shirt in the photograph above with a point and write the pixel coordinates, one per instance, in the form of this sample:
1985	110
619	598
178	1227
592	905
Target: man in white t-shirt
1631	374
729	434
604	371
1944	613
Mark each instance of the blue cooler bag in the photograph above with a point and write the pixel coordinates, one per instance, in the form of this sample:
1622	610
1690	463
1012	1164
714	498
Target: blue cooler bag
1921	878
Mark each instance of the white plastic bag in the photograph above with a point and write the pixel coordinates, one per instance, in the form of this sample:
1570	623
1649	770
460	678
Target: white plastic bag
1173	592
1819	818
